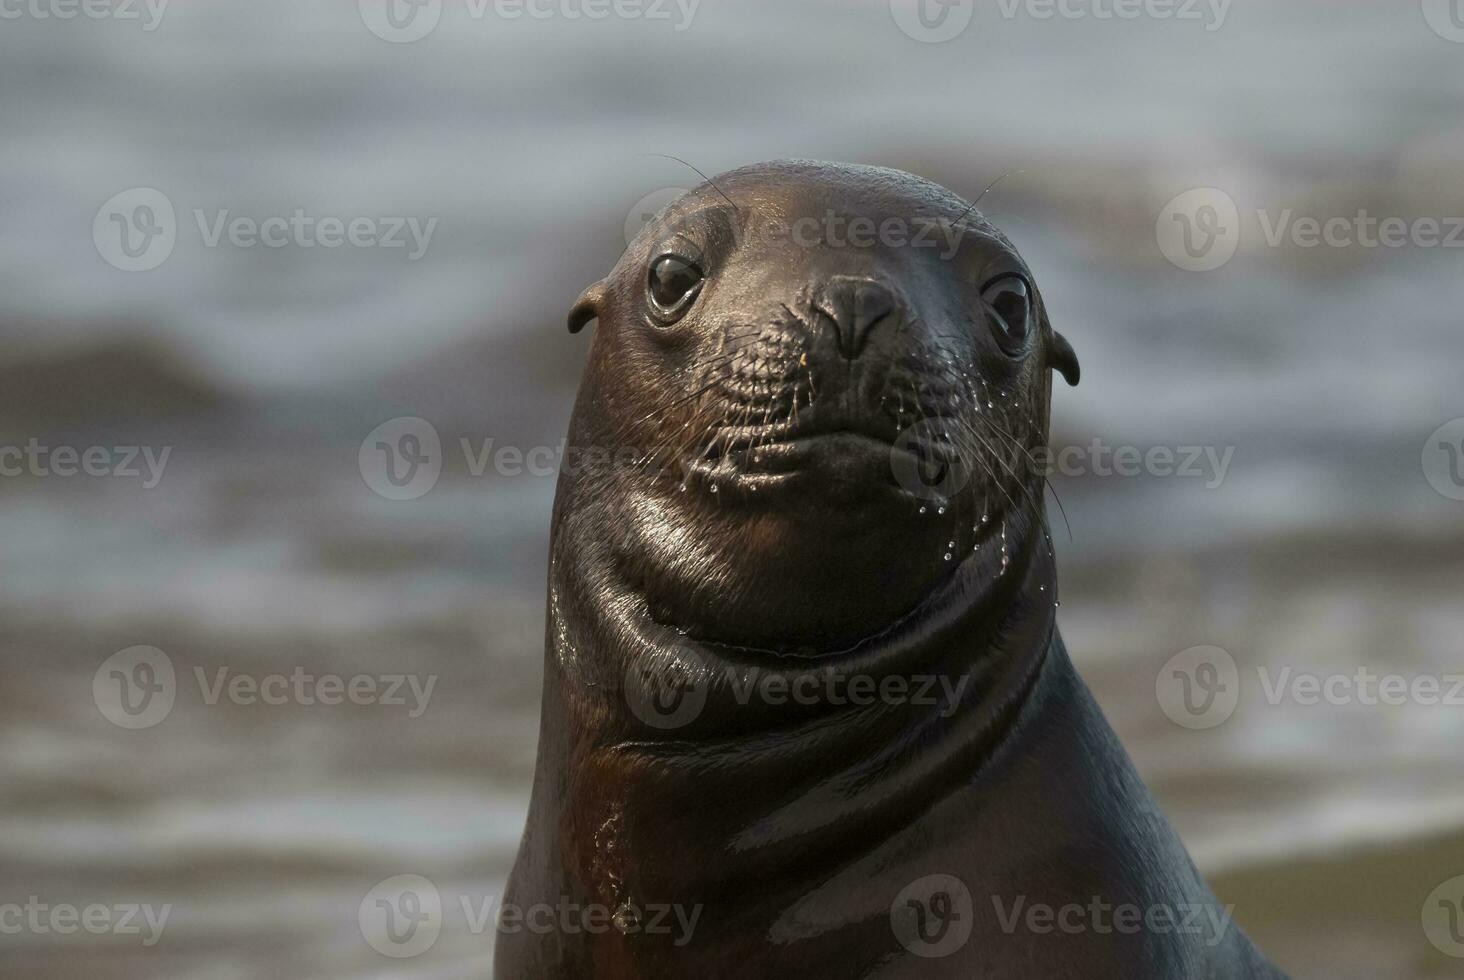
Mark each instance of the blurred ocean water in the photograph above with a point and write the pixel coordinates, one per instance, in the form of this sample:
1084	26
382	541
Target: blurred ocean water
261	549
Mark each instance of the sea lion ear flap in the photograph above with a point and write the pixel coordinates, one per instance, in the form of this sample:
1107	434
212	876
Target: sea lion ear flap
1065	359
587	307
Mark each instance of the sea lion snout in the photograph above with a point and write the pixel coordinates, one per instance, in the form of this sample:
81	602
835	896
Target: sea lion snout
853	306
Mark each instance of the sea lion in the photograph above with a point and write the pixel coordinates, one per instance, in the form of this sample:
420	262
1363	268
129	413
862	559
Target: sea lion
806	712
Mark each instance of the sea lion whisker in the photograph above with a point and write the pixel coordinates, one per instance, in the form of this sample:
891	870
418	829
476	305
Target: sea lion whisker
1020	483
677	448
697	171
1047	482
709	383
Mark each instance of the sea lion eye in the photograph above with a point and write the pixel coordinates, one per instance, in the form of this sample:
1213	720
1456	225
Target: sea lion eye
674	282
1009	303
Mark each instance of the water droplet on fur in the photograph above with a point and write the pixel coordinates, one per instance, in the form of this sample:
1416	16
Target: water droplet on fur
948	556
940	510
714	488
683	488
950	544
922	510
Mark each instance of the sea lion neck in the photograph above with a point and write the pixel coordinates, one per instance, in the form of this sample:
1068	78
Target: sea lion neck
646	720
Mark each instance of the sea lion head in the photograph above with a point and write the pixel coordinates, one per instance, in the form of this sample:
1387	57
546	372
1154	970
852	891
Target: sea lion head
824	386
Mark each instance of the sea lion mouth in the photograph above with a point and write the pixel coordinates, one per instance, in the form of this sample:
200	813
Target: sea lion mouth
827	445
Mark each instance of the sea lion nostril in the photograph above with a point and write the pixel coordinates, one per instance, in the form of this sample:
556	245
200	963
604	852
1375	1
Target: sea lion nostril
854	305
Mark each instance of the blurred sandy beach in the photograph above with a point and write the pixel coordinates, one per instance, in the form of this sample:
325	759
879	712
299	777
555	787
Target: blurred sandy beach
261	549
